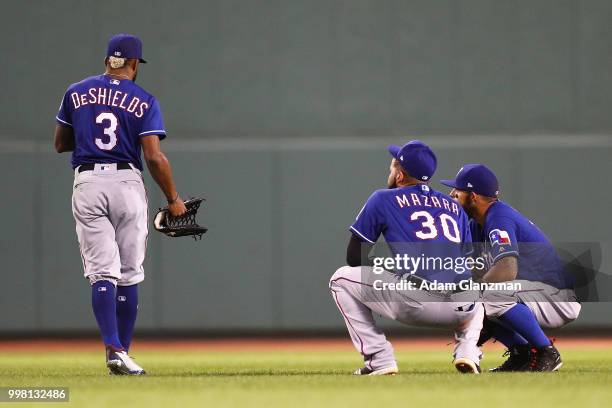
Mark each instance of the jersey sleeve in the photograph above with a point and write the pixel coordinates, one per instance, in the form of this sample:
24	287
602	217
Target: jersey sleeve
501	233
467	246
153	122
369	223
64	115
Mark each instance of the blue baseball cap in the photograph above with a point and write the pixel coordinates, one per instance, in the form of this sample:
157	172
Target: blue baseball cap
416	158
125	46
477	178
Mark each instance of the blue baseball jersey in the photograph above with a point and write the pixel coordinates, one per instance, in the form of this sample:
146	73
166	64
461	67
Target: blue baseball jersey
418	222
109	116
507	232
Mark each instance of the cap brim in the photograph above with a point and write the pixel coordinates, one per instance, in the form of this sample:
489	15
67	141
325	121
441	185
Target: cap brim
449	183
394	150
142	61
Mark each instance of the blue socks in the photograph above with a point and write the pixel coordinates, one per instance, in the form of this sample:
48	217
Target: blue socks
506	336
127	309
521	320
104	308
115	310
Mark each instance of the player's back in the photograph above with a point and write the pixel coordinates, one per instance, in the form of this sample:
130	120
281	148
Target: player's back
109	115
417	221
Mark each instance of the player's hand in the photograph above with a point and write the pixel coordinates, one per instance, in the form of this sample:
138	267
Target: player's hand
177	207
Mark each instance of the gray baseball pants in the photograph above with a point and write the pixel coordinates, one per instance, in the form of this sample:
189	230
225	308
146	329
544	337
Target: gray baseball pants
356	298
552	307
110	210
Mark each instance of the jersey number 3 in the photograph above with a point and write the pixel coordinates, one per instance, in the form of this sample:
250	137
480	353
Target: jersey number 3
429	230
110	130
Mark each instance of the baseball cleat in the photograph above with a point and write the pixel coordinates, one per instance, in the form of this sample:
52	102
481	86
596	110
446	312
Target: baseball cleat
466	366
119	363
545	359
381	371
518	360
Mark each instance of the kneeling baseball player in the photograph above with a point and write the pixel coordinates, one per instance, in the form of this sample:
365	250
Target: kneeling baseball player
515	250
105	120
416	221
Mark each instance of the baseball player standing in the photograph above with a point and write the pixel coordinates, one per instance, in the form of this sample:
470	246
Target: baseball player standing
105	120
516	250
416	222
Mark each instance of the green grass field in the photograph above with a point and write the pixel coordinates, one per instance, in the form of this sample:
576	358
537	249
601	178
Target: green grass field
307	379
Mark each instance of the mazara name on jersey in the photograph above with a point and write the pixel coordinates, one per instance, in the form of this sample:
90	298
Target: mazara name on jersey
412	199
109	97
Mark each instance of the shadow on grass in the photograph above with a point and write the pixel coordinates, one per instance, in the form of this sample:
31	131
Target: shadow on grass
277	373
334	373
262	373
211	373
219	373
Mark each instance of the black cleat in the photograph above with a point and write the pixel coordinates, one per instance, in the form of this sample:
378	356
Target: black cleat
545	359
518	360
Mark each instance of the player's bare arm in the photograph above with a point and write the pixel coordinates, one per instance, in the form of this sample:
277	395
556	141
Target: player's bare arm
478	272
64	138
160	169
503	270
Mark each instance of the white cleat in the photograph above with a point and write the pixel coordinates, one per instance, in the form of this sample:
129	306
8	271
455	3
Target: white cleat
119	363
466	366
381	371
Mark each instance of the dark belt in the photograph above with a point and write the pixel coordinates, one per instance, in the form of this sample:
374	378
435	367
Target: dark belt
91	166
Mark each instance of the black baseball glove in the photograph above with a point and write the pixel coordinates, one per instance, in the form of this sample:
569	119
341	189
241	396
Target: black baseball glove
185	225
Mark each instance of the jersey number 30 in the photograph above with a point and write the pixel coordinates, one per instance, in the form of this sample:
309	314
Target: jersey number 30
429	230
109	130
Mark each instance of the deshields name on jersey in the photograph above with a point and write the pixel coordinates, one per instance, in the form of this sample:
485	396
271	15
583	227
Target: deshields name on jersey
109	97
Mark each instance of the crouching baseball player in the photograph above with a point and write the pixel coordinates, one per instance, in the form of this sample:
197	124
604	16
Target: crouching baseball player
516	251
105	120
416	221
